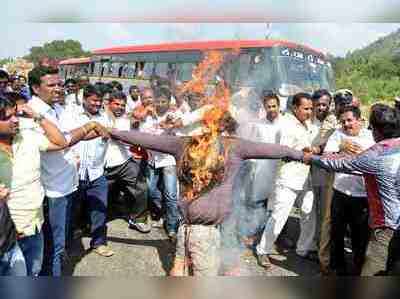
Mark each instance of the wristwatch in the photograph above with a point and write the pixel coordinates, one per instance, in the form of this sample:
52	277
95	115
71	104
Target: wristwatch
38	119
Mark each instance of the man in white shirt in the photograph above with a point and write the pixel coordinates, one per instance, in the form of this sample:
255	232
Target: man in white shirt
122	170
267	130
349	201
93	188
163	166
71	89
58	170
23	147
258	176
293	182
133	99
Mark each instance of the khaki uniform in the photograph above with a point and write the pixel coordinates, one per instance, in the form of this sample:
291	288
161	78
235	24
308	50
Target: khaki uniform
323	193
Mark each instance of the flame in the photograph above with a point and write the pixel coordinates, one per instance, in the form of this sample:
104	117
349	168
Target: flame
203	152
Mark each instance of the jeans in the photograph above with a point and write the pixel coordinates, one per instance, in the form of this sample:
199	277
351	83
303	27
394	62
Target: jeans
32	248
95	194
56	230
169	192
12	263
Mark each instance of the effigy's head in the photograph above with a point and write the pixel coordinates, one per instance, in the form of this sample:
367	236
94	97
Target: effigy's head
203	163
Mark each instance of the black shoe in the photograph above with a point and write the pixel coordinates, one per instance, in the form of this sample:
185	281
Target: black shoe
263	261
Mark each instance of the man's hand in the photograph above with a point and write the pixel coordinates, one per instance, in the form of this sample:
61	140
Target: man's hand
101	130
4	193
312	149
140	113
28	112
349	147
307	157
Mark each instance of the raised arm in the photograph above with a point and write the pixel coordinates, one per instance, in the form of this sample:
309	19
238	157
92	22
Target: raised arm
258	150
50	130
162	143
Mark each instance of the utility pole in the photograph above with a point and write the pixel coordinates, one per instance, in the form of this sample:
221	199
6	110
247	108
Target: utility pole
268	30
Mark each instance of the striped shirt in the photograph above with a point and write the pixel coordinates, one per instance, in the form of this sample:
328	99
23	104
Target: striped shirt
380	165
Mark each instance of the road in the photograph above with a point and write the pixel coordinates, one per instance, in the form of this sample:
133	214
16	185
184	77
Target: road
152	254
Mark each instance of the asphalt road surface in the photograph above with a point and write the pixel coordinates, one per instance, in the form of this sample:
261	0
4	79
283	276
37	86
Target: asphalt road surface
138	254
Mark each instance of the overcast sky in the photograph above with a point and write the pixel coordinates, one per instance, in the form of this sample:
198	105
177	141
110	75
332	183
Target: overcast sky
206	10
338	39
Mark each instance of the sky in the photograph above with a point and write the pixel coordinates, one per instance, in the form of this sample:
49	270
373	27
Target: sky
336	26
205	10
335	38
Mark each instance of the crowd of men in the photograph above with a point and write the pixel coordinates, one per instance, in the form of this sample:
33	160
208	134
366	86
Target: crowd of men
59	172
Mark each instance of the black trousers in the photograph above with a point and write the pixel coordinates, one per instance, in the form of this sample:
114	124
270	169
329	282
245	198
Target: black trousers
353	212
129	177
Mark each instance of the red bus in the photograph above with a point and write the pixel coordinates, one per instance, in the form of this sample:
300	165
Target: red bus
278	65
74	67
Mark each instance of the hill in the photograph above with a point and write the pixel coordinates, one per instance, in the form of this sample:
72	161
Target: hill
373	72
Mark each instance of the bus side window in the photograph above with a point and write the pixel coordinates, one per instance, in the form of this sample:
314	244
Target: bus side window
171	73
185	71
114	69
161	69
91	68
139	69
244	67
131	70
104	69
97	68
148	70
121	70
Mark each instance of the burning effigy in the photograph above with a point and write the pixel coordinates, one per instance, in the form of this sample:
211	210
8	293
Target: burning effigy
207	165
202	163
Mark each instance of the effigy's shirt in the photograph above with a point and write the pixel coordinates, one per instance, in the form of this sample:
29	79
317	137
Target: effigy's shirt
214	206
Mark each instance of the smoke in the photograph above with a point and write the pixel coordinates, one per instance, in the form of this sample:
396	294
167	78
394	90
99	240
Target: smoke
255	180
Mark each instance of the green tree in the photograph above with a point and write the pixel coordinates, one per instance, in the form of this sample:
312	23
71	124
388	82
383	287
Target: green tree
4	61
57	50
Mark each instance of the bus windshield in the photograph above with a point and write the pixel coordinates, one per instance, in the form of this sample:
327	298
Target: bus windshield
253	69
302	75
